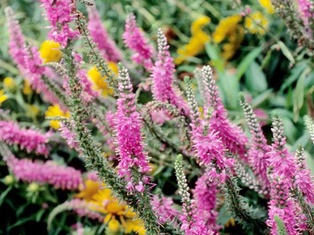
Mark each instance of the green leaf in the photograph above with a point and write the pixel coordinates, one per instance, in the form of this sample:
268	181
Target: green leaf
295	73
246	62
255	79
230	88
298	97
287	53
214	54
4	194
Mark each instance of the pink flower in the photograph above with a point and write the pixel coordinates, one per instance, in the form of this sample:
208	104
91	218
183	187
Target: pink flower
17	48
306	8
83	208
163	77
69	136
136	41
48	172
35	71
205	194
105	44
128	131
231	135
60	15
282	206
164	211
28	139
88	93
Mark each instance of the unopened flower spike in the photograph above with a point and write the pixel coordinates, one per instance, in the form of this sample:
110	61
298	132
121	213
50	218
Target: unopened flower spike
257	154
132	157
163	88
302	179
310	126
231	135
192	224
280	160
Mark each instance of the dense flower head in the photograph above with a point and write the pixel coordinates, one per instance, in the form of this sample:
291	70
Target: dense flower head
281	205
135	40
302	179
60	14
231	135
205	196
46	173
28	139
282	162
100	36
34	71
164	210
163	77
17	48
258	152
128	131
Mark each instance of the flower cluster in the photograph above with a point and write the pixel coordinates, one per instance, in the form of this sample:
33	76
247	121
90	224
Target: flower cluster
28	139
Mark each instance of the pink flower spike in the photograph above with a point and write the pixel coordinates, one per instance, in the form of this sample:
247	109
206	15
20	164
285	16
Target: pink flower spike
205	194
128	131
60	15
28	139
231	135
17	48
106	45
66	178
135	40
164	210
163	77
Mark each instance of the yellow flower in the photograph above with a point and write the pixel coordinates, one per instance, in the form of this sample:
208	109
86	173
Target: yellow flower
9	83
197	42
226	27
99	82
27	88
268	6
3	97
54	111
90	189
230	30
50	51
256	23
113	226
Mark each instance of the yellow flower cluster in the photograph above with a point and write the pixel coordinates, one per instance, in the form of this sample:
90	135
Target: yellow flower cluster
99	82
118	216
54	111
268	6
256	23
229	28
197	42
50	51
3	97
